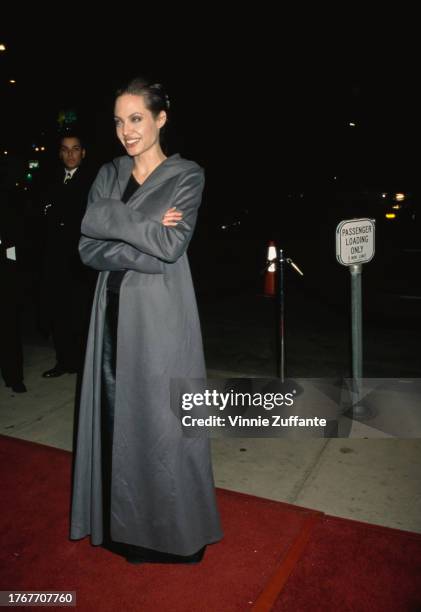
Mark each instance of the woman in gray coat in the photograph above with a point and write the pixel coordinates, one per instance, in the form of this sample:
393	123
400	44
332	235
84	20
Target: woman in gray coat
140	487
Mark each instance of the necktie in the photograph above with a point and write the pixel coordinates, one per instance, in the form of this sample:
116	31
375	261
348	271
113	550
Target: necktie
67	178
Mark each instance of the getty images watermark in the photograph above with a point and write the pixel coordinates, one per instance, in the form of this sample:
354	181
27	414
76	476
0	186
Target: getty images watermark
235	399
299	408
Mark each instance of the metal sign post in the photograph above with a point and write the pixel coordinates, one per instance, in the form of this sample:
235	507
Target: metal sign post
356	321
354	247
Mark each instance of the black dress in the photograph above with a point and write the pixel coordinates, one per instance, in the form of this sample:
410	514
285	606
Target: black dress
130	551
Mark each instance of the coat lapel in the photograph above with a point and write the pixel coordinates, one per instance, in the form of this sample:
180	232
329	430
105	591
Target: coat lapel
170	167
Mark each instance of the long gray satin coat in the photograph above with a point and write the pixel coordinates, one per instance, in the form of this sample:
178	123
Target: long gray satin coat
162	488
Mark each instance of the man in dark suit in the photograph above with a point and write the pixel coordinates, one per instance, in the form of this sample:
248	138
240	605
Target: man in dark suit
67	285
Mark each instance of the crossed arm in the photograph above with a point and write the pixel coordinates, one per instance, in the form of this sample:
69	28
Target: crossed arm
114	255
116	237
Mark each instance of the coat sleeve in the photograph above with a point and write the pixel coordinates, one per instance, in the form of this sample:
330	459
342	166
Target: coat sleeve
112	220
113	254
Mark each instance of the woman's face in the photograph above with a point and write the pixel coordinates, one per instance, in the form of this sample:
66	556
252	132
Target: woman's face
136	127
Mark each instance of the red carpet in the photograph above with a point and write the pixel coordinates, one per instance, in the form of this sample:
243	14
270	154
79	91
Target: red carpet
37	554
350	565
273	556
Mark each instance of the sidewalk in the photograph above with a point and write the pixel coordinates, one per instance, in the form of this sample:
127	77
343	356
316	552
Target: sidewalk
373	480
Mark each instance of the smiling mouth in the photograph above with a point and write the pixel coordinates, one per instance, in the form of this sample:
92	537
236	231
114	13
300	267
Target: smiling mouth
130	143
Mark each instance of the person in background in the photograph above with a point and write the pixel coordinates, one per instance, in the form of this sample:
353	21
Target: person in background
66	286
11	302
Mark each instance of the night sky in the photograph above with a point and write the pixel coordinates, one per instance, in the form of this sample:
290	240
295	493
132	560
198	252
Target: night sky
265	114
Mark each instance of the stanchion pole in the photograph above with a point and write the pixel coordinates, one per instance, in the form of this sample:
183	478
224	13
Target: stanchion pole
281	302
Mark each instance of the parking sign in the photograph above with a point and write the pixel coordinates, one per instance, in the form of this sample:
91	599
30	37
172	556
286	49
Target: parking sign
355	241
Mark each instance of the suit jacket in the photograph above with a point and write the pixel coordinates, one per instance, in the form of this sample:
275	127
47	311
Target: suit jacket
66	285
64	206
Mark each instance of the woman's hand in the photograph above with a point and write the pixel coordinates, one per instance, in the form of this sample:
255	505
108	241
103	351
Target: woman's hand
171	217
